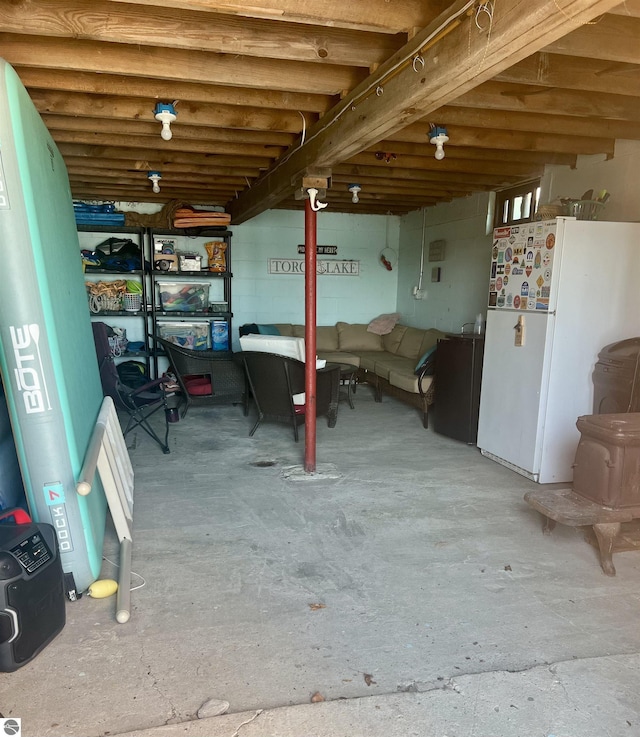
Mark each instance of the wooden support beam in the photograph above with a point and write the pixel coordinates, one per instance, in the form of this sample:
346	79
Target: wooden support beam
457	58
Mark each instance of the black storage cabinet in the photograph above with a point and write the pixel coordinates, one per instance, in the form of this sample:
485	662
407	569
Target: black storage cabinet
458	375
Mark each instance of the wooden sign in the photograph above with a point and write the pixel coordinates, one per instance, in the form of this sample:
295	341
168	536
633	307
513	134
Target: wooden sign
328	267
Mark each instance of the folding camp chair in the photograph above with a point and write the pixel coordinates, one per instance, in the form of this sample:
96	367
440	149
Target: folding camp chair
140	403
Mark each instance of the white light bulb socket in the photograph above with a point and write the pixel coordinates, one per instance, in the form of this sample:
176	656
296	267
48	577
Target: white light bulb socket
439	137
154	177
166	114
354	189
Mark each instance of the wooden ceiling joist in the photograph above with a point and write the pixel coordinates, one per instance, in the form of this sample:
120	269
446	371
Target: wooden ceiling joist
610	37
379	15
550	101
572	73
178	64
502	120
171	28
188	134
162	90
190	113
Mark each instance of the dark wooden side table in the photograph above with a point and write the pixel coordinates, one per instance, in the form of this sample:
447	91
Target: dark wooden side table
348	378
457	378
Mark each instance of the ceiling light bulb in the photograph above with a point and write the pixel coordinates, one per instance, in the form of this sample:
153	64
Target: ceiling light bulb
154	177
438	136
166	114
354	189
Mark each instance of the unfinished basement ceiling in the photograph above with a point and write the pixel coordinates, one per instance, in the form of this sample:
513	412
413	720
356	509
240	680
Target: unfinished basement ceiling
268	91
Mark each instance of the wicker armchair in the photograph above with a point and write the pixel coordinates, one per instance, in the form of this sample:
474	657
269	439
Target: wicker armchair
274	379
206	377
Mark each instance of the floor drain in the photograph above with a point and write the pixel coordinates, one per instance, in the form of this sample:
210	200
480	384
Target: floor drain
263	464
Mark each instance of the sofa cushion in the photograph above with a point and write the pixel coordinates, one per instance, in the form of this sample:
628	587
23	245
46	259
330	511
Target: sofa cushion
388	362
285	329
355	337
368	359
391	340
408	382
430	339
326	336
410	344
339	357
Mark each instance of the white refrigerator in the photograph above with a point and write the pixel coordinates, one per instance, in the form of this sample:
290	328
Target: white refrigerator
560	290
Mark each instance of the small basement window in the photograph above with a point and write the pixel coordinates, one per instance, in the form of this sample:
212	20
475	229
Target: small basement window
517	204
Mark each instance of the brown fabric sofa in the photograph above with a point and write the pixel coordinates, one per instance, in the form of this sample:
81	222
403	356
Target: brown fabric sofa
387	362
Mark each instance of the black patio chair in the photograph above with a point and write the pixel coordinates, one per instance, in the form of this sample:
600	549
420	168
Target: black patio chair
274	379
139	403
206	377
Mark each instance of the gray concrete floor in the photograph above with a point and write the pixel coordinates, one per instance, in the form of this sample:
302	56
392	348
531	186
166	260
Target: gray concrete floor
409	584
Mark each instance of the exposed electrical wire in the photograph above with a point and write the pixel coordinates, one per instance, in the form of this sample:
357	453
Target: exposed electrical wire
304	128
433	37
424	221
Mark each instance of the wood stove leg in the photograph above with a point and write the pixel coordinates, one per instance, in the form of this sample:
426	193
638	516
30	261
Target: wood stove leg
606	534
548	525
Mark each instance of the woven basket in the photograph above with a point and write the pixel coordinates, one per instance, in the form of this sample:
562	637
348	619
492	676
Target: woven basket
105	296
132	302
546	212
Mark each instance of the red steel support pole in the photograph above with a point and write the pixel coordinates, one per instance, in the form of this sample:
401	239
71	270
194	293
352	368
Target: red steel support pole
310	225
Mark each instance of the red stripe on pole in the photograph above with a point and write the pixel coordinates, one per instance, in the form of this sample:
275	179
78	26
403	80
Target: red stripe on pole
310	225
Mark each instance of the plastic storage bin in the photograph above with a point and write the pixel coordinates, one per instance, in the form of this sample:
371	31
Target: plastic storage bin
183	296
616	378
607	465
191	335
